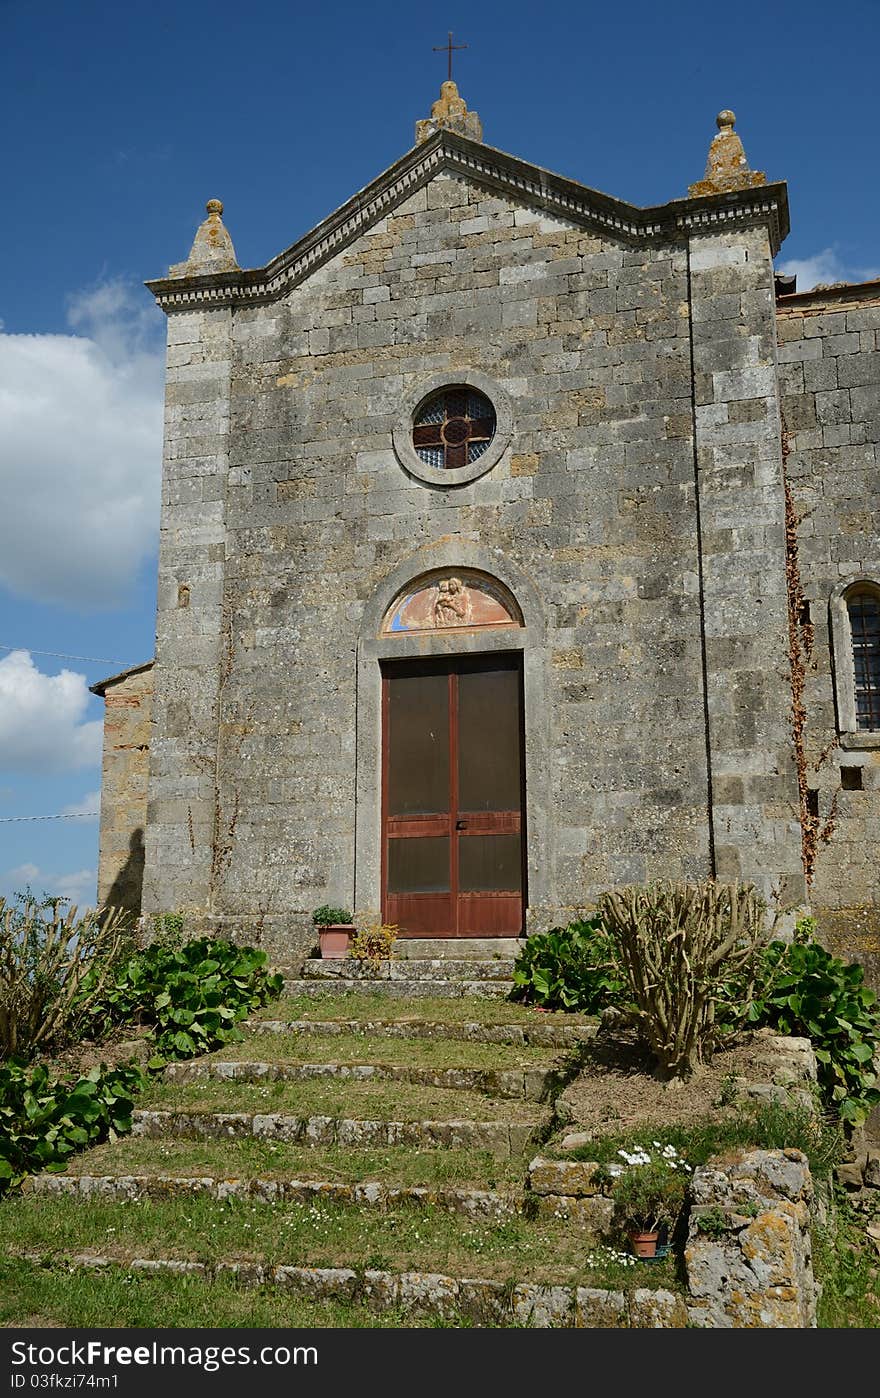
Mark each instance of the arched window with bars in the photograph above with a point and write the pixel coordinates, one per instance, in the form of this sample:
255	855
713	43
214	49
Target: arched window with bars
854	614
863	611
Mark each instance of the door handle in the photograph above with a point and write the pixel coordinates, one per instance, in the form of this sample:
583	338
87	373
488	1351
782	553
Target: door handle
461	825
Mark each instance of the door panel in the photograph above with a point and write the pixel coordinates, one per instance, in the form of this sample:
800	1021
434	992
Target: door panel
489	757
453	855
418	864
418	729
489	863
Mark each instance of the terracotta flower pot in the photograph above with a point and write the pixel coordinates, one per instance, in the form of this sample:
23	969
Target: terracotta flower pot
644	1244
333	940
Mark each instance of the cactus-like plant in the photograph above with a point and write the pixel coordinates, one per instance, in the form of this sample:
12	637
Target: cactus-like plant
677	944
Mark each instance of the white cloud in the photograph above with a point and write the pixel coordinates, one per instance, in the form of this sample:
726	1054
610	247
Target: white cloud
88	805
80	450
80	887
42	719
824	269
22	876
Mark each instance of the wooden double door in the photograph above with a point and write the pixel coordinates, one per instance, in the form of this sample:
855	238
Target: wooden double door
453	815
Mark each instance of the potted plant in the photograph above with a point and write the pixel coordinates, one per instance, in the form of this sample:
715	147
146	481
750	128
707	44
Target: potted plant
648	1192
335	931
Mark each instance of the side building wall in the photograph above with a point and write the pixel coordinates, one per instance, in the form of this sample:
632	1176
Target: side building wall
829	353
128	705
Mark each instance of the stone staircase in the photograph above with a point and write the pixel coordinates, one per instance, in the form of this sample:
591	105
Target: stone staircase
479	968
366	1145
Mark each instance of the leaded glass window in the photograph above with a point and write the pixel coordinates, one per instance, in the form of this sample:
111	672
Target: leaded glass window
453	427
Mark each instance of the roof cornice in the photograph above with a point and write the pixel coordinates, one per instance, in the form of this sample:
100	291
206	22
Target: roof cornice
103	685
506	174
842	296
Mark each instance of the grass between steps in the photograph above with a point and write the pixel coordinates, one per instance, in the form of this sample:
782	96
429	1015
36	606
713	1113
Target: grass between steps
360	1048
383	1007
320	1235
381	1101
35	1297
257	1159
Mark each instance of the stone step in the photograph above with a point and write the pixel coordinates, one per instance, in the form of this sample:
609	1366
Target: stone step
529	1084
503	1138
535	1035
458	948
473	1203
423	970
428	1295
402	989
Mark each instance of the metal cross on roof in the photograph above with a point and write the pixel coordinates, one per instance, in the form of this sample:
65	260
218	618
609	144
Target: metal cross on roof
449	48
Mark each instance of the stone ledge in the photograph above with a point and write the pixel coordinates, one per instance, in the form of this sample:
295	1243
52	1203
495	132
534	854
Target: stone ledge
429	1294
529	1085
474	1203
530	1035
500	1137
403	990
409	969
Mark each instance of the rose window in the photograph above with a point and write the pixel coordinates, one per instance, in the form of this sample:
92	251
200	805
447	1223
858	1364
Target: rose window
453	427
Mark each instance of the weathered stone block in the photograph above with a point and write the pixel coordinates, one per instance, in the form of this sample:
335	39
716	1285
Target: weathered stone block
572	1177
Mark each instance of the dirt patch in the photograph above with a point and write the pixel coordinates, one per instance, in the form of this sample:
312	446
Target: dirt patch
617	1091
120	1048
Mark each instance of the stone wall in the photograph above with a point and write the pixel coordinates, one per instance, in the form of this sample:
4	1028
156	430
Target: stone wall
829	352
749	1252
124	774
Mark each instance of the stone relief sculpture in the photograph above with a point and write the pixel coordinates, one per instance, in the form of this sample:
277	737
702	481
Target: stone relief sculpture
452	605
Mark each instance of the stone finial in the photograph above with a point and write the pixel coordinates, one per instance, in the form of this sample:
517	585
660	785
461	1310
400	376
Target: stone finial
727	167
212	249
450	112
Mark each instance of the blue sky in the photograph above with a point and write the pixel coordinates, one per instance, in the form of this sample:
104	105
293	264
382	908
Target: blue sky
121	120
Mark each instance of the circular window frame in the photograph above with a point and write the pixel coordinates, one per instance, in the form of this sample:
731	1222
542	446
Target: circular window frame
401	435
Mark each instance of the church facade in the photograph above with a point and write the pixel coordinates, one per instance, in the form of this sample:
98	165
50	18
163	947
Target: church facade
516	543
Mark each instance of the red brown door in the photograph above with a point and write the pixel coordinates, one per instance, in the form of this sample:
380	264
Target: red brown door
452	797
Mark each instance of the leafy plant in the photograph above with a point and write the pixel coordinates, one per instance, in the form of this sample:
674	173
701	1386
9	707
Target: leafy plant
569	968
327	916
54	963
677	944
42	1123
712	1221
803	989
193	995
374	942
168	928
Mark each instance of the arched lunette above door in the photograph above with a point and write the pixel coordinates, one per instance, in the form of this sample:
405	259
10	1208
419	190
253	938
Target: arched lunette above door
451	599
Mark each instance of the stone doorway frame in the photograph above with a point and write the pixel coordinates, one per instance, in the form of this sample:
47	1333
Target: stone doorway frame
530	640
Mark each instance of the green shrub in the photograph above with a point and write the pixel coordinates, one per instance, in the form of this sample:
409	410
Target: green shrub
53	962
803	989
569	968
193	995
677	945
42	1123
373	943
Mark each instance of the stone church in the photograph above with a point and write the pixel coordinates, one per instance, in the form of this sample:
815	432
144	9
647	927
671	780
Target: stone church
516	542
